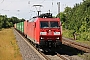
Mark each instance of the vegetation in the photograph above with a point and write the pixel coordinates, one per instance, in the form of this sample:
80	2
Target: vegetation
6	22
8	46
77	20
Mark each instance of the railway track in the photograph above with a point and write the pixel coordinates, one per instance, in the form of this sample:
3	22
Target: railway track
76	45
43	56
54	57
57	56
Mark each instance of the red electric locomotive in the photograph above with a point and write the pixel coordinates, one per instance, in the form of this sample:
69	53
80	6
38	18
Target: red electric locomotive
44	30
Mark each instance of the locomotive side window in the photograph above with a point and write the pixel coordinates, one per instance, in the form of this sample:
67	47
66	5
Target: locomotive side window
54	24
44	24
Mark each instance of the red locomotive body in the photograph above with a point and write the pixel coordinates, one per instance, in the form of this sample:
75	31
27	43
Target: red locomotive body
45	31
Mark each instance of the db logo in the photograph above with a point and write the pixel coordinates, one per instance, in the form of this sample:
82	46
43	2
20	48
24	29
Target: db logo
50	33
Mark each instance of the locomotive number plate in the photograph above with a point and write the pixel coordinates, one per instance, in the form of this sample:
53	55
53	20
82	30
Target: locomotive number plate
50	33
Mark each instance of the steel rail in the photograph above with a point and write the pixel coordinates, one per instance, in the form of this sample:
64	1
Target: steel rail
76	45
62	57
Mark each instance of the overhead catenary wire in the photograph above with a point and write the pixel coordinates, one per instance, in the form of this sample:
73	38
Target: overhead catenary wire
42	1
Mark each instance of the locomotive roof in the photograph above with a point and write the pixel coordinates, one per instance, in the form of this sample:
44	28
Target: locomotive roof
45	15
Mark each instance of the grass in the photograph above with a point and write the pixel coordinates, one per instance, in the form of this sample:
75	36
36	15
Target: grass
85	56
83	42
8	46
68	33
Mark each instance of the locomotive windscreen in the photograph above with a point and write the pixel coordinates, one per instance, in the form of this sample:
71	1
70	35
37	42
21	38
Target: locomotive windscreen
47	24
54	24
44	24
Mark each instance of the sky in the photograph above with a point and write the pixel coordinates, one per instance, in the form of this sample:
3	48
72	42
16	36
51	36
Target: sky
25	9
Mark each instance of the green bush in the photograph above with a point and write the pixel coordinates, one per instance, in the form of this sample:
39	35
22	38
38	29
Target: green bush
68	33
79	36
84	36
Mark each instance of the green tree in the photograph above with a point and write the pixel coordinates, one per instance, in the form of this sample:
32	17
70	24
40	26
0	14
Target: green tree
6	22
77	18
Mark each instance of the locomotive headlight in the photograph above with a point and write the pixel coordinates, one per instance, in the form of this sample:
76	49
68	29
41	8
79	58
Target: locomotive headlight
43	33
57	38
56	33
42	38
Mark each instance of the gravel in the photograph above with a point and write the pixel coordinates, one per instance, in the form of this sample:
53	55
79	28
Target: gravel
26	51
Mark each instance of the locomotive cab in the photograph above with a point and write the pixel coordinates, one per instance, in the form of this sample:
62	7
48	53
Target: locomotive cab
50	32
